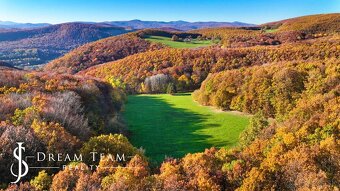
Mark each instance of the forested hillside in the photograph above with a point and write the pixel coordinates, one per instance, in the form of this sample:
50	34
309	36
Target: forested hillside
322	24
26	47
110	49
99	52
54	113
290	30
187	68
4	65
303	145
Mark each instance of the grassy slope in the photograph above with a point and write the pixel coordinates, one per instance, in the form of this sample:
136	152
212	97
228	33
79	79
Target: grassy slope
166	125
175	44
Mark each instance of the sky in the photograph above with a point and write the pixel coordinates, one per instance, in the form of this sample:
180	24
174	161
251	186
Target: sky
249	11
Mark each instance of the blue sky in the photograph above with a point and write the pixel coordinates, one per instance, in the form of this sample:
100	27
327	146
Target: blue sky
251	11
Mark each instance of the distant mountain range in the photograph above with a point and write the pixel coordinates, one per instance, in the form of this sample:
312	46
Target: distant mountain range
14	25
178	25
137	24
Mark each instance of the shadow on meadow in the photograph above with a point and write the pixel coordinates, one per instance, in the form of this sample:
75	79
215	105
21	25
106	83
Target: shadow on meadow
163	130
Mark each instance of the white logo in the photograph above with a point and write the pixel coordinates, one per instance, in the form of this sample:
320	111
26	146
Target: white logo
17	153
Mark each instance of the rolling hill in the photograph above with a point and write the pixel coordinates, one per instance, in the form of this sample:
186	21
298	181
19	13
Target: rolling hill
31	44
111	49
132	59
311	24
99	52
6	66
189	67
38	46
274	33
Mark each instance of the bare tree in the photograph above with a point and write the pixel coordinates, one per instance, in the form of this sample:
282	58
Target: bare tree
66	108
157	83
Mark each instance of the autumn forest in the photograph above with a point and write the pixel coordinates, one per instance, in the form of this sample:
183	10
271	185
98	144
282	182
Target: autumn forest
253	107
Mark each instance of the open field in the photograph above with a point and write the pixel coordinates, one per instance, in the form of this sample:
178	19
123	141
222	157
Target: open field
166	125
178	44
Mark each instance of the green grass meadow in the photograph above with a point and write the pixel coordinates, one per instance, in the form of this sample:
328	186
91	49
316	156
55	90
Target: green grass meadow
177	44
174	125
